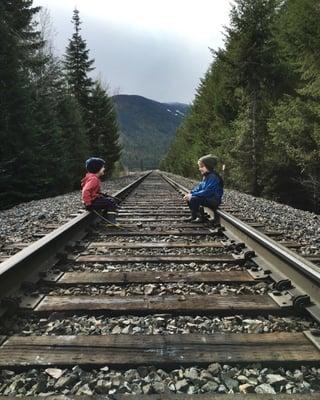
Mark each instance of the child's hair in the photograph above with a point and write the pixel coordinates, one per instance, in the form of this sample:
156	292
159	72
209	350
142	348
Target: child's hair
209	161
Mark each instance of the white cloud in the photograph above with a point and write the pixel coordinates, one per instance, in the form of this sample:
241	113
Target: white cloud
196	20
154	48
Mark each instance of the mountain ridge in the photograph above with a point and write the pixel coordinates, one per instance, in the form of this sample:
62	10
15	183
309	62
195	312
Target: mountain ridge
147	127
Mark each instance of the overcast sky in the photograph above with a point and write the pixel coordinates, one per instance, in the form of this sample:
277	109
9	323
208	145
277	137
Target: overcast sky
154	48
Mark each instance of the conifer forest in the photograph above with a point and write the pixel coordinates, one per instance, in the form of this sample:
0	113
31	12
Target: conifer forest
53	115
258	106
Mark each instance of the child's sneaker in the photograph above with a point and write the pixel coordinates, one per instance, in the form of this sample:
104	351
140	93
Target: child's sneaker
198	220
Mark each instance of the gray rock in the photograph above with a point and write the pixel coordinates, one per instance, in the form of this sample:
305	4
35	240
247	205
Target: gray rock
222	389
210	387
246	388
230	383
214	368
192	374
265	388
298	376
242	378
146	389
66	381
55	373
276	380
205	375
85	391
103	387
158	387
182	384
143	371
131	374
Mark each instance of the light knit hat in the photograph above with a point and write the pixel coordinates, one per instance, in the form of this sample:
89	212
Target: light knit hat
209	161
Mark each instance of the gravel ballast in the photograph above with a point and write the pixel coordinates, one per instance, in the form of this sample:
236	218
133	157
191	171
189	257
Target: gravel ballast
215	378
19	223
297	225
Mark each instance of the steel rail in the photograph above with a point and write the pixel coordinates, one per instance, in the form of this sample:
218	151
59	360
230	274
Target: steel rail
43	253
282	263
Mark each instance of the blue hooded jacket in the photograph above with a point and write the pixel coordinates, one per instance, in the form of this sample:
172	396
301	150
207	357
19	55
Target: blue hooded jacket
210	187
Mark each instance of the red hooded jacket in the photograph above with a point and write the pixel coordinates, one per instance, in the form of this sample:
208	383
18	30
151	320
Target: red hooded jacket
90	188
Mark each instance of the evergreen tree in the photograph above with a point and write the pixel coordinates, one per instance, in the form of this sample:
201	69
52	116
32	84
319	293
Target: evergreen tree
74	136
258	107
295	124
253	55
77	65
103	129
19	43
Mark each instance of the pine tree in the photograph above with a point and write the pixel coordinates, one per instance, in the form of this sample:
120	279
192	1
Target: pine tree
19	43
78	65
74	134
295	124
253	55
103	129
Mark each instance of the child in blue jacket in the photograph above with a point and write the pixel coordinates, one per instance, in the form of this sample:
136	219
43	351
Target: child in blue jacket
208	192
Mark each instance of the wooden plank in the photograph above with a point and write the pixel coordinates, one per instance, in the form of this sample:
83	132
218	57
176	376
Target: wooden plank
15	246
151	219
159	350
150	207
149	245
173	232
290	244
313	258
256	224
226	305
179	396
80	278
272	233
158	259
218	396
159	224
139	203
153	213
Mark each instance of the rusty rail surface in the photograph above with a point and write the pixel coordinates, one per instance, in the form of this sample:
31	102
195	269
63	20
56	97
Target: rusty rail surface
297	279
43	253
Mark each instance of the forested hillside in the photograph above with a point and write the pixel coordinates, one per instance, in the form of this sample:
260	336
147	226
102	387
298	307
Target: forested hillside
147	128
53	115
258	105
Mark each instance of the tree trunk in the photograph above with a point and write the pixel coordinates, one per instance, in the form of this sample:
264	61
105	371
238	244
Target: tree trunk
254	143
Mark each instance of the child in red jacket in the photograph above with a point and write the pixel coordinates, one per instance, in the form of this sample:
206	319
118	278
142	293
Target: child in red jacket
92	197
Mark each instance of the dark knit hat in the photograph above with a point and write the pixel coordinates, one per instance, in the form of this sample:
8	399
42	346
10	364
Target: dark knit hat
209	161
94	164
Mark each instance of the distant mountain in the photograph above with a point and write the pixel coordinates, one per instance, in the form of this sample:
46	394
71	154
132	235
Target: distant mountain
147	128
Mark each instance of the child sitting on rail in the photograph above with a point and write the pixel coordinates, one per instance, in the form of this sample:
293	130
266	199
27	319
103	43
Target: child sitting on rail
207	193
92	197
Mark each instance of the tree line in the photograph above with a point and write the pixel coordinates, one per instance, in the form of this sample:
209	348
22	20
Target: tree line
258	105
53	115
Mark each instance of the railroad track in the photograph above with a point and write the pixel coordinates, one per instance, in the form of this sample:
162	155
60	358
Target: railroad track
159	306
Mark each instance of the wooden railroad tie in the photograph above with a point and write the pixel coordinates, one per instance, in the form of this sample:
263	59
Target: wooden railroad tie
144	305
228	259
161	245
86	278
160	350
173	232
180	396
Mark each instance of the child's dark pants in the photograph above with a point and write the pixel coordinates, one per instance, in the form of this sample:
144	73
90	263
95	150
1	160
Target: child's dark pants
195	203
104	203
